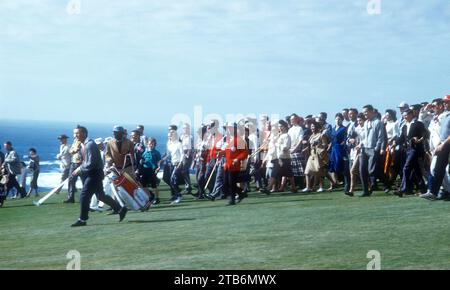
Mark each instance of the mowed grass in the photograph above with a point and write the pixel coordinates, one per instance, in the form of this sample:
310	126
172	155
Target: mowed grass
280	231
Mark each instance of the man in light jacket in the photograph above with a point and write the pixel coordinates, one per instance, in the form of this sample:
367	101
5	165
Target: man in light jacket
13	165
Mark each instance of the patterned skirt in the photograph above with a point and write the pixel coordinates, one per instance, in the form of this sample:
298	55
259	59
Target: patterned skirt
296	164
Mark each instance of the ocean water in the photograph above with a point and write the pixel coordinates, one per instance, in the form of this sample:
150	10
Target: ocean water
43	137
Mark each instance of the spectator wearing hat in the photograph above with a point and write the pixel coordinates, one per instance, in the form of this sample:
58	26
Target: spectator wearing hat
120	152
403	106
64	157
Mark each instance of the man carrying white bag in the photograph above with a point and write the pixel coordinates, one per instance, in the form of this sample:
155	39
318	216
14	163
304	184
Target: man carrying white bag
128	191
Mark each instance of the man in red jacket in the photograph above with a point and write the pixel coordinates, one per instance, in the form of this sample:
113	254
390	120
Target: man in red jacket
235	154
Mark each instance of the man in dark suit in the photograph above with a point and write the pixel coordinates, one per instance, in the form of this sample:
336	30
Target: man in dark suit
412	138
91	171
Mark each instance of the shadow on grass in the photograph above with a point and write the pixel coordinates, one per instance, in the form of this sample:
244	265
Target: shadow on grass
161	221
141	222
22	205
283	201
224	202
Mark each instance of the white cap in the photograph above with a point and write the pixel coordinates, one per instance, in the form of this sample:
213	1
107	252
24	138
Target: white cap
403	105
98	141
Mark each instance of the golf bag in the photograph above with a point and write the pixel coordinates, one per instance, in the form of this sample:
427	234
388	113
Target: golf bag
128	191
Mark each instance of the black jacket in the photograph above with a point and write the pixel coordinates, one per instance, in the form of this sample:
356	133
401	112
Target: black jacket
417	130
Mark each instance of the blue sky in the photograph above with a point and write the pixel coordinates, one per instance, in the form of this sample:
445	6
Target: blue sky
144	61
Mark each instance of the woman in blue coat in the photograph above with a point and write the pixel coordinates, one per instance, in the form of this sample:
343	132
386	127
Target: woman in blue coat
338	164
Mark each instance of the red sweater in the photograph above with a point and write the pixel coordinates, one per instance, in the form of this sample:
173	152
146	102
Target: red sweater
213	151
236	150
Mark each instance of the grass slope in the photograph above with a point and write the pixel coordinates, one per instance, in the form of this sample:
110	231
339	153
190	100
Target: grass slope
281	231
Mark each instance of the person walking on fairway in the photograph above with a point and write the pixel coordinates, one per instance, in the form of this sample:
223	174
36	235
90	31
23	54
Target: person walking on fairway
91	172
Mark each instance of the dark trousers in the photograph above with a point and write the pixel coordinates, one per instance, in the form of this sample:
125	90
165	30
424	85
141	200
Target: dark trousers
147	177
220	180
255	169
93	184
230	184
186	175
65	174
12	183
175	177
439	170
412	172
368	168
2	194
33	183
72	181
167	172
201	178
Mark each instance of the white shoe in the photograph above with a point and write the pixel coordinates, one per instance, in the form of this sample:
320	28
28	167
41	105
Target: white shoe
320	190
178	200
428	195
96	209
306	190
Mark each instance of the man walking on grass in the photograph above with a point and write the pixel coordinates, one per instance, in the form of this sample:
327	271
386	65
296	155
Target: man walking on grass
91	172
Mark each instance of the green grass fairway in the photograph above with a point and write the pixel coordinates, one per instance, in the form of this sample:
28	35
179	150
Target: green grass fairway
281	231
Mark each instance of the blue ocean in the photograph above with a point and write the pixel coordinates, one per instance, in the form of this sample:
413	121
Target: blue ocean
43	137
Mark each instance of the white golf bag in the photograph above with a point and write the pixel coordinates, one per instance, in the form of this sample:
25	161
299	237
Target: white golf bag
127	191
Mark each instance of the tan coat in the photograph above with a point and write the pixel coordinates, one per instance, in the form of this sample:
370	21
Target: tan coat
113	156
